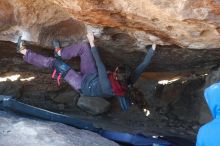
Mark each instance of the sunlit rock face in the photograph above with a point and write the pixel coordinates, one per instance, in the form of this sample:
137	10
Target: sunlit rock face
186	23
36	21
17	130
192	24
122	28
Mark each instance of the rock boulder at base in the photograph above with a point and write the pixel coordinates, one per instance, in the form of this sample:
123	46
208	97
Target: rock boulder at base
16	130
93	105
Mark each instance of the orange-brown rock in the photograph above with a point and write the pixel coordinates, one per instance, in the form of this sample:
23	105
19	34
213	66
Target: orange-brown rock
28	18
191	24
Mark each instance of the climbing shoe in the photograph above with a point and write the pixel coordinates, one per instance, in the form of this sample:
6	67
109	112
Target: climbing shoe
57	49
20	45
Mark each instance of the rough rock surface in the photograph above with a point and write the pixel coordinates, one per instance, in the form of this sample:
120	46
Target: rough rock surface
36	21
191	24
212	78
122	29
43	92
93	105
43	88
17	130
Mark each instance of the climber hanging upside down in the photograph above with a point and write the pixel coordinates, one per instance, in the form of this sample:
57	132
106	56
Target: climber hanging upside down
93	79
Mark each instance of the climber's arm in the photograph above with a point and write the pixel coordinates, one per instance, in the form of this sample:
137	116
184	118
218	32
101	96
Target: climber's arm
104	81
143	65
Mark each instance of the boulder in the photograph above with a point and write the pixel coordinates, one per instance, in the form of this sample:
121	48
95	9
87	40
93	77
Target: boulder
17	130
93	105
68	97
186	23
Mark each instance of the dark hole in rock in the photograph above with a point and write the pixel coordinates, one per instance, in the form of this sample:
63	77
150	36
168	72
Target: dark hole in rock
170	109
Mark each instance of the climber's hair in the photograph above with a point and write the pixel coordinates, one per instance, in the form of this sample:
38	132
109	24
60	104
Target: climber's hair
124	71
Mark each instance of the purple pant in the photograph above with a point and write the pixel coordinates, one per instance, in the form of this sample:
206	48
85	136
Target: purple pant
87	63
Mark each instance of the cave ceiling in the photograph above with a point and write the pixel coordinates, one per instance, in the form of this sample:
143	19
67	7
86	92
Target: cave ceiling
187	32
